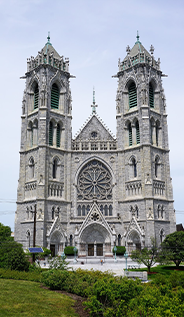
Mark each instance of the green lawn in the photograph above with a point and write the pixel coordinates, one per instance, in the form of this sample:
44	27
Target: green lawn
23	298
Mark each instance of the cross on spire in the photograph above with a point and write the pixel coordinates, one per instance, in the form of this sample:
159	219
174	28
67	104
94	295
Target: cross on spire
94	104
137	38
48	39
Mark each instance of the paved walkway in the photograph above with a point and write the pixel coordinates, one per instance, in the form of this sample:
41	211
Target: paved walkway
109	264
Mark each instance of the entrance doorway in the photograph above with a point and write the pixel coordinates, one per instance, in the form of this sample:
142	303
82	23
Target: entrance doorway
90	249
99	249
52	248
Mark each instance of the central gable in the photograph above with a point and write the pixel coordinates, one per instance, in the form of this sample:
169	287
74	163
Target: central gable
94	129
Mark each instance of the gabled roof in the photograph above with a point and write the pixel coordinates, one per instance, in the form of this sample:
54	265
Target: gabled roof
94	123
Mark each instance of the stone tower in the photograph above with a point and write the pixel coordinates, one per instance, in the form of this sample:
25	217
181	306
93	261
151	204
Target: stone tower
143	151
94	190
43	186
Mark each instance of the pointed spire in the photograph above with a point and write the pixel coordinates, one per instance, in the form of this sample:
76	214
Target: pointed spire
48	39
137	38
94	104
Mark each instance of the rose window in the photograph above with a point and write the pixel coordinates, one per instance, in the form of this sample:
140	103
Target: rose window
94	182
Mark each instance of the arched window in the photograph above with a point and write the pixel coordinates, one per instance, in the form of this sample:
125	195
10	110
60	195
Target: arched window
157	132
83	210
132	92
110	210
88	208
106	210
137	132
58	135
151	96
36	95
30	134
71	240
31	167
53	213
79	210
130	134
162	234
54	168
156	166
133	167
119	239
54	97
50	133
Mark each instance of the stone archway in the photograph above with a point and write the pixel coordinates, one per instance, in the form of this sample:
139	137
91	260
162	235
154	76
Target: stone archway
133	241
57	243
95	241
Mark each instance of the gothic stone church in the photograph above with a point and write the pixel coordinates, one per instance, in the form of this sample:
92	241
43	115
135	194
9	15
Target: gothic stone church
94	191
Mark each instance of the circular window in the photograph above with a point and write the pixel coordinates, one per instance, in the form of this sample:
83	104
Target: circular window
94	134
94	181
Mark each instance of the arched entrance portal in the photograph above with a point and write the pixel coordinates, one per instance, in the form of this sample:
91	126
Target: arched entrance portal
95	241
56	243
133	241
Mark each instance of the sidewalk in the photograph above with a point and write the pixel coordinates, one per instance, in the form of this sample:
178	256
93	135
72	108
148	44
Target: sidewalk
109	264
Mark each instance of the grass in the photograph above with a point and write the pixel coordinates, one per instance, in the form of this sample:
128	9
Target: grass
165	270
24	298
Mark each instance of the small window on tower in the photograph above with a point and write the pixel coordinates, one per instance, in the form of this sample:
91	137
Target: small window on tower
132	92
54	97
36	95
151	96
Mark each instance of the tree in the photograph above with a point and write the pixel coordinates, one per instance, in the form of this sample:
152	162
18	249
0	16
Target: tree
147	256
173	248
12	255
5	233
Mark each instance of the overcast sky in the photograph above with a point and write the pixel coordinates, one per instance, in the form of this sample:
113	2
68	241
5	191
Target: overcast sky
94	34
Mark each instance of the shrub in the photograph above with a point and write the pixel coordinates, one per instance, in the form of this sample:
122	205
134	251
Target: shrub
120	250
69	250
58	263
13	257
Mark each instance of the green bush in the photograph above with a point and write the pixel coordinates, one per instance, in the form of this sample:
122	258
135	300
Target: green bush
120	250
17	275
13	257
69	250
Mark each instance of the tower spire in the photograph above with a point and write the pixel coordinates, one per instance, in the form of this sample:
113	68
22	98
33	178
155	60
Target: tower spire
94	104
48	39
137	37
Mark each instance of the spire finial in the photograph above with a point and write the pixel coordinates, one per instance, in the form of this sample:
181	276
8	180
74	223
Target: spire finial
48	39
94	104
137	37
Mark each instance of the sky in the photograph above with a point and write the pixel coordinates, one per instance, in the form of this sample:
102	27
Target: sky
94	34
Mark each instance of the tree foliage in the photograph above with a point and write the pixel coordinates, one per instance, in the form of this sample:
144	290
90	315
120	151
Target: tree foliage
173	248
12	255
147	256
5	233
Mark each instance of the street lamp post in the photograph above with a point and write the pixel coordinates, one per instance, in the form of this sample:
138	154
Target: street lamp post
34	233
115	249
75	250
126	257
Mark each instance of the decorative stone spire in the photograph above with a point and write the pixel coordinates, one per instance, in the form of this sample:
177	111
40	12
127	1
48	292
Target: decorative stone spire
137	38
48	39
94	104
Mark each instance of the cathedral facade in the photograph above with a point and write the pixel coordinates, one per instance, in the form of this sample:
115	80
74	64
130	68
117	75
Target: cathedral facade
94	191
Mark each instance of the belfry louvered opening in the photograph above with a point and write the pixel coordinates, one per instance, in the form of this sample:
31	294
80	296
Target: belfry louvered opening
130	134
137	132
51	133
151	95
132	92
54	97
58	135
36	95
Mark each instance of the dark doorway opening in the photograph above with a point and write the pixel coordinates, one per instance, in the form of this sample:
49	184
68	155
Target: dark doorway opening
52	248
99	249
90	249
